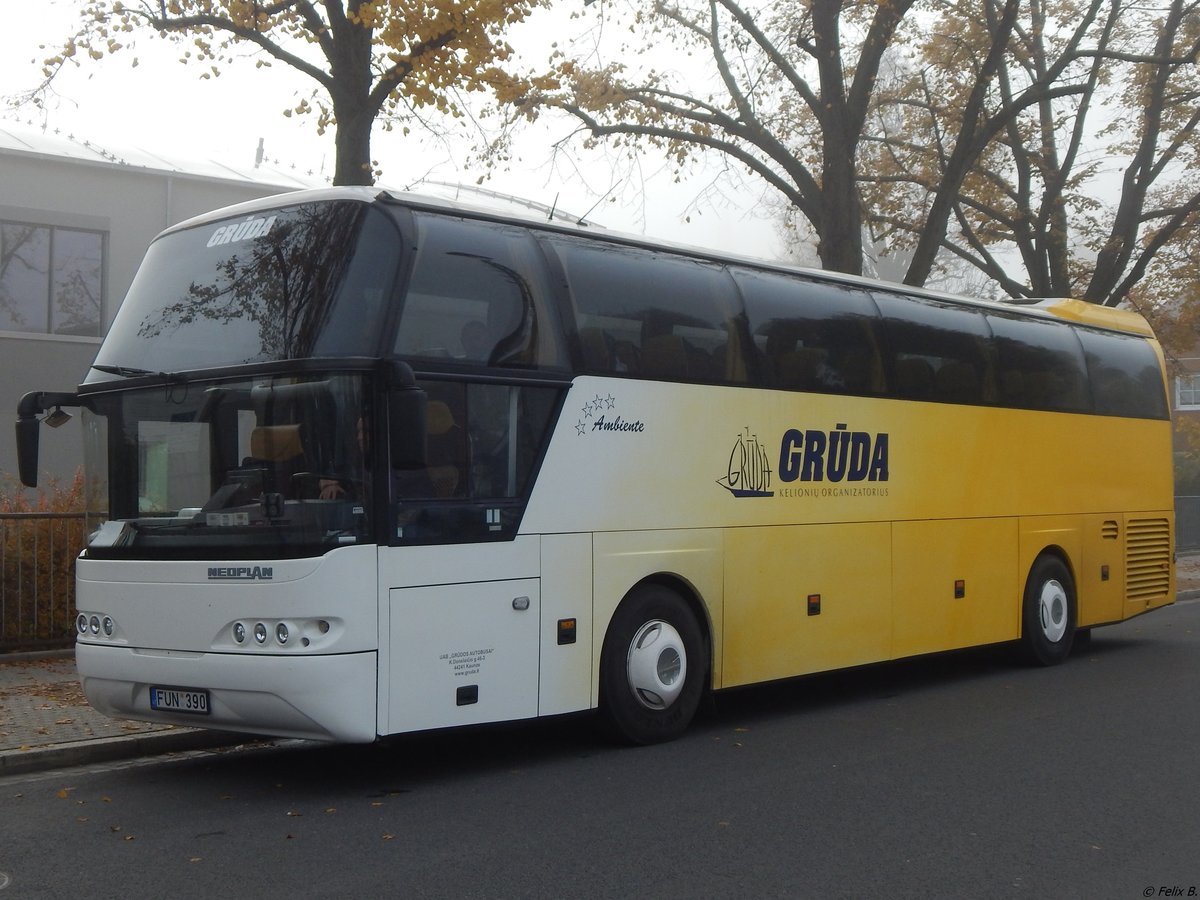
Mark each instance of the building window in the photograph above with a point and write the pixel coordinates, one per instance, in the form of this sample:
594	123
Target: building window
1187	391
51	279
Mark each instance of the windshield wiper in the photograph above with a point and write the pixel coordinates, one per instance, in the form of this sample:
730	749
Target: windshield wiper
134	372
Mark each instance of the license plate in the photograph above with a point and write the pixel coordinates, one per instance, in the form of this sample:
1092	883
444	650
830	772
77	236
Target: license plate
183	700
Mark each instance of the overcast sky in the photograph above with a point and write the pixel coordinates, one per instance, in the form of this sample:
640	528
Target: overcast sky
164	106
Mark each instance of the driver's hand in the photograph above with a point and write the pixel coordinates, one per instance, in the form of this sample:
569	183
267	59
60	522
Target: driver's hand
331	489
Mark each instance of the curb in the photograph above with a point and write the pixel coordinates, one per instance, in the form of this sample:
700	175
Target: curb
78	753
32	655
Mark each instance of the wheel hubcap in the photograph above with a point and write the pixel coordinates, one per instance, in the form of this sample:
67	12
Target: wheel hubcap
1052	610
656	665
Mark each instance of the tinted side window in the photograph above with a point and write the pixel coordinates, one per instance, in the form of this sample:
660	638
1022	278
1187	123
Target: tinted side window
939	351
483	442
1039	365
810	336
653	315
1125	375
477	296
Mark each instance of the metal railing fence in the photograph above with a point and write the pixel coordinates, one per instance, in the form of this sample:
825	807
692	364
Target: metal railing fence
37	578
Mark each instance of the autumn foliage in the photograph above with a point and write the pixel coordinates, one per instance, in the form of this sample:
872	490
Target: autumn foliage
40	536
364	60
1051	148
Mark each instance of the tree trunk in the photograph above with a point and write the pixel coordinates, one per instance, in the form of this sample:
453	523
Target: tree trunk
353	145
840	246
840	228
353	107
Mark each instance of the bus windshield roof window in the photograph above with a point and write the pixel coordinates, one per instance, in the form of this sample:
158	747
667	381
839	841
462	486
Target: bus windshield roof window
259	466
300	281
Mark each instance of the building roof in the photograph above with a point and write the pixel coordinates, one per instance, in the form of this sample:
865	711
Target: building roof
25	141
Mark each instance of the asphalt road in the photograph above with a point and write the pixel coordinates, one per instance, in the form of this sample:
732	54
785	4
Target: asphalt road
956	776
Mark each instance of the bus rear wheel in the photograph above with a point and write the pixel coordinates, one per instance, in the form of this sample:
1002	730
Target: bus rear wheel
652	667
1048	612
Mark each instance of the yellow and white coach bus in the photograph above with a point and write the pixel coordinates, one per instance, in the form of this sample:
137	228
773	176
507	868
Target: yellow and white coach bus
373	463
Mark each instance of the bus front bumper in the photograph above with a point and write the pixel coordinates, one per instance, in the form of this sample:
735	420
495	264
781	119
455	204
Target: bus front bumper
322	698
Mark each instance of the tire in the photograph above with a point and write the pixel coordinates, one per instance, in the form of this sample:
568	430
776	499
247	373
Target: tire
653	667
1048	613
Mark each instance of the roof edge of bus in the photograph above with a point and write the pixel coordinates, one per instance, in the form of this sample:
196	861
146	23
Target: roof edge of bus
1085	313
1077	311
360	193
275	201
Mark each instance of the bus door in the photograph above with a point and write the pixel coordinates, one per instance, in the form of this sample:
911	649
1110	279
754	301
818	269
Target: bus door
464	653
463	603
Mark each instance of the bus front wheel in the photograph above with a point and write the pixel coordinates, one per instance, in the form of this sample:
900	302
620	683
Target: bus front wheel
652	667
1048	612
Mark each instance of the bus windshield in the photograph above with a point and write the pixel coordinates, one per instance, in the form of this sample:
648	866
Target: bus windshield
232	467
309	280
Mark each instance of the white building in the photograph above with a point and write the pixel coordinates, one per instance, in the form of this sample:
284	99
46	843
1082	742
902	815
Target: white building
75	221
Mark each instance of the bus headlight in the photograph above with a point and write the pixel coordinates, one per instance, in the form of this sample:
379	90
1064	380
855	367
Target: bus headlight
293	635
95	625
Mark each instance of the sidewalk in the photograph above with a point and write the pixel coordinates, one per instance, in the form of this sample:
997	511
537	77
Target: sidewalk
46	723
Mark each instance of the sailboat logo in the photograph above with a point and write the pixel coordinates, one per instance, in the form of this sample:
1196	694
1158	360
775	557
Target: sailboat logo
749	473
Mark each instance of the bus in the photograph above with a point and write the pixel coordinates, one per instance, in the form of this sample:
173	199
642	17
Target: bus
373	463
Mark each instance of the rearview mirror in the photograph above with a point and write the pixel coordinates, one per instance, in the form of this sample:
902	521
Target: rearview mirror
27	450
29	408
